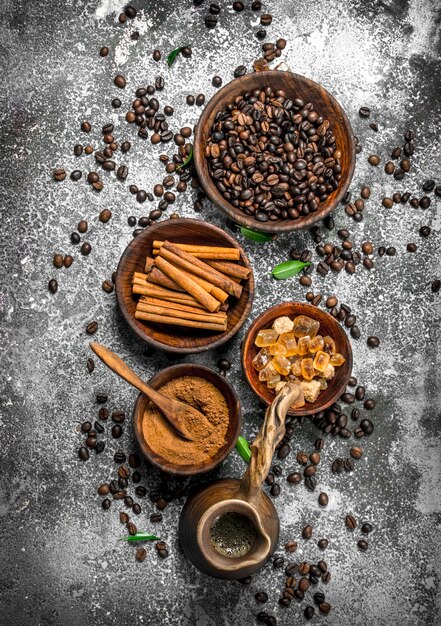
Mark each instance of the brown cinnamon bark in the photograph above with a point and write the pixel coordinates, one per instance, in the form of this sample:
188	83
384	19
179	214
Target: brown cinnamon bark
155	291
199	316
174	321
204	252
190	286
230	269
183	260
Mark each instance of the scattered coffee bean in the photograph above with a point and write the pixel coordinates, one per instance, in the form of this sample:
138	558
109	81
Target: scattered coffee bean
53	285
323	544
323	499
435	286
120	81
307	532
374	159
373	342
362	544
356	453
350	522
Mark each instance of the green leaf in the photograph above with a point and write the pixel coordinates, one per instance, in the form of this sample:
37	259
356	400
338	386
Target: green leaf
288	269
254	235
140	537
243	447
187	161
173	54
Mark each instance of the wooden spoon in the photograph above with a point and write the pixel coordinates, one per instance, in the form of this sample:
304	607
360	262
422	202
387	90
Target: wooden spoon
177	413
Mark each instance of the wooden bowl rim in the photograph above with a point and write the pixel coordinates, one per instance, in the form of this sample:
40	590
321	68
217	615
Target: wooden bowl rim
236	87
309	309
148	233
178	370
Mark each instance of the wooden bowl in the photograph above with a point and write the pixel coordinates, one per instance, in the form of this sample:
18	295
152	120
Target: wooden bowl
328	326
175	338
235	423
296	86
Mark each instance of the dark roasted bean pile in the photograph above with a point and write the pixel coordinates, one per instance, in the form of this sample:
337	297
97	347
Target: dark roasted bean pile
273	157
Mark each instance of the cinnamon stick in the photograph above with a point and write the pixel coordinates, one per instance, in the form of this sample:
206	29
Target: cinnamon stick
215	318
159	278
183	260
148	300
190	286
230	269
149	264
174	321
204	252
164	294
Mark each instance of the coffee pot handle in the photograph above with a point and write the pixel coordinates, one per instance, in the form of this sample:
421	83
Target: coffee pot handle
268	438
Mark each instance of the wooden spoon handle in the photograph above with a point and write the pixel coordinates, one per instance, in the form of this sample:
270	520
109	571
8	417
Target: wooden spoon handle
117	365
269	436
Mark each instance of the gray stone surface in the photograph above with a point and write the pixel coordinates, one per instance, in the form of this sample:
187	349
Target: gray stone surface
61	561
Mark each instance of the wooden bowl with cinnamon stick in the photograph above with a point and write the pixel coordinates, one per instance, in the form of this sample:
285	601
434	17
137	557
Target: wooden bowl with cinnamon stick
184	286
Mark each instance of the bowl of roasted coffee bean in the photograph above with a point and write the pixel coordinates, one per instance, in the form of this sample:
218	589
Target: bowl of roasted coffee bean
275	151
297	342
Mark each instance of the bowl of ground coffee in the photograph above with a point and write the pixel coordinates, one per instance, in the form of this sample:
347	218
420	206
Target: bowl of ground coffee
275	151
208	392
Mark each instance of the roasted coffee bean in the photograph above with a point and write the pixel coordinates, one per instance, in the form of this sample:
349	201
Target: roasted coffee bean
360	392
348	398
367	426
53	285
294	478
106	504
283	451
319	444
303	568
356	453
310	470
323	499
374	159
275	490
119	457
136	508
68	260
140	554
261	597
86	127
118	416
107	286
391	251
103	489
366	528
331	301
424	231
291	546
83	453
117	431
350	522
278	562
101	398
240	71
307	532
200	99
76	175
59	174
325	607
90	365
411	247
373	342
210	20
425	202
314	458
310	483
364	111
128	502
266	19
302	458
216	81
323	544
86	249
363	545
435	286
304	584
119	81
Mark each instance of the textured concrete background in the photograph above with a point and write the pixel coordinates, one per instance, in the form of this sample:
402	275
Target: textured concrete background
61	561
